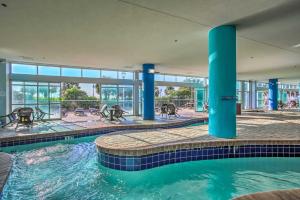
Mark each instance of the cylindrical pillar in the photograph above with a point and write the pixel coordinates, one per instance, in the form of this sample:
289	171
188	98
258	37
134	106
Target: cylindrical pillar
273	94
222	81
148	82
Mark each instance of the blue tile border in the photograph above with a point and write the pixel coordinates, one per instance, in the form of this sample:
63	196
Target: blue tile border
47	137
137	163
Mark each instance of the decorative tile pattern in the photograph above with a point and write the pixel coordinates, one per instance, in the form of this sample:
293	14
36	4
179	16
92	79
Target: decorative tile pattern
136	163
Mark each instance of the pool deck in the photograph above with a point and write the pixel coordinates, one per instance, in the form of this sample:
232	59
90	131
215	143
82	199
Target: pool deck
293	194
252	127
61	130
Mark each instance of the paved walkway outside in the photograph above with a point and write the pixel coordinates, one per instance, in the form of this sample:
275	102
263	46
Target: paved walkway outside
276	125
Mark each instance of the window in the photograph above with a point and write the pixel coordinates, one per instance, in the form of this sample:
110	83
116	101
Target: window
181	79
118	94
109	74
23	69
46	96
72	72
49	71
170	78
159	77
90	73
125	75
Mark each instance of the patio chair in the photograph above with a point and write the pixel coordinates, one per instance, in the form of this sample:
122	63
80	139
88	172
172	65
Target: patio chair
39	115
25	117
118	112
104	112
119	108
12	118
164	110
172	110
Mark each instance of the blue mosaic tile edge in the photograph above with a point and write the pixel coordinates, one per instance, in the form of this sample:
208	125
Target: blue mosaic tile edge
137	163
85	133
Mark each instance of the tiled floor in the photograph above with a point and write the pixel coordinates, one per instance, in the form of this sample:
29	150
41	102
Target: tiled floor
90	123
276	125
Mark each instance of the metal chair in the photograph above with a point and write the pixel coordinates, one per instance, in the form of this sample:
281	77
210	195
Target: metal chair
40	114
25	117
164	110
172	110
118	112
12	118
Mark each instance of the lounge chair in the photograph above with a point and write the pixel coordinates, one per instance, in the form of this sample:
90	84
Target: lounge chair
79	111
104	112
25	117
12	118
94	111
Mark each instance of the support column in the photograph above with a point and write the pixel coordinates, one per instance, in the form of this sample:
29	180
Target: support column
4	92
222	81
136	94
148	81
252	94
273	94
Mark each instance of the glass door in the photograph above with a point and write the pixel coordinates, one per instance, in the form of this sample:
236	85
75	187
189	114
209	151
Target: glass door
199	99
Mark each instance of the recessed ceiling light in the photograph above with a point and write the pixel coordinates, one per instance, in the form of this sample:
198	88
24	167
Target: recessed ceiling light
296	46
3	5
175	40
251	57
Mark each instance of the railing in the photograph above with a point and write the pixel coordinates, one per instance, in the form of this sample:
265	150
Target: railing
71	105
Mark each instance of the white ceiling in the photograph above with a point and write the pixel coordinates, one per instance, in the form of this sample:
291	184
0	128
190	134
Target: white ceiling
123	34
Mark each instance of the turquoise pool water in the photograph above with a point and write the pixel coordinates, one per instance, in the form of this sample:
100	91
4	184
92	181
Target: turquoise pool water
70	170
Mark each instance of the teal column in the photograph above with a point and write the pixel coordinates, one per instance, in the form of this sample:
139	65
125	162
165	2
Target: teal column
3	88
222	81
148	81
273	94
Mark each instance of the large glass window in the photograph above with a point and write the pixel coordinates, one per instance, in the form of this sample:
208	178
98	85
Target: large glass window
49	71
159	77
121	95
170	78
109	74
73	72
126	98
125	75
23	69
33	94
90	73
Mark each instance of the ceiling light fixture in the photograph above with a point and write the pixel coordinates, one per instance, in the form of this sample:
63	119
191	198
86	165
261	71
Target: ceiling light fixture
3	5
296	46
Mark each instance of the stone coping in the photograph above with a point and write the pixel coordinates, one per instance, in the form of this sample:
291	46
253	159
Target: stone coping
292	194
158	148
46	137
5	168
